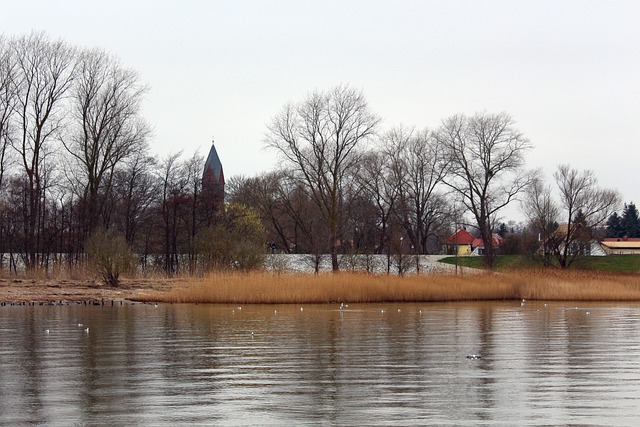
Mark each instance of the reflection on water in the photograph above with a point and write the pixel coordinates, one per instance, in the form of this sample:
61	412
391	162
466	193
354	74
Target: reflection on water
393	364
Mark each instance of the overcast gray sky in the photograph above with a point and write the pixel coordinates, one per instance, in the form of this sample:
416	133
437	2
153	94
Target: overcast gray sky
567	71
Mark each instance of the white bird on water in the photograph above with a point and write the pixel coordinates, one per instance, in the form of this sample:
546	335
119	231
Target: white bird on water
86	330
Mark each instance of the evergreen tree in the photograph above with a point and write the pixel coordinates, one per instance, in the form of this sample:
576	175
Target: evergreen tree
630	222
614	226
502	231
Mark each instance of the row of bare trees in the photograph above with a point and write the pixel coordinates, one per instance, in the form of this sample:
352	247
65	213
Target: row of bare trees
345	186
75	159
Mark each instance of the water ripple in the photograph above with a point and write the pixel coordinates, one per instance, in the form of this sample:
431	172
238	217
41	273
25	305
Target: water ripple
273	365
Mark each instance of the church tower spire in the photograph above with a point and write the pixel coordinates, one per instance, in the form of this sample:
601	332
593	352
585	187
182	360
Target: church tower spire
213	179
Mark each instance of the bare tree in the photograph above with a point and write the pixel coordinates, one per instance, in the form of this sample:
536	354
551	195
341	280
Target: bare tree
584	205
543	214
319	138
7	102
136	190
108	127
193	175
265	194
486	155
44	74
172	181
7	109
421	160
377	180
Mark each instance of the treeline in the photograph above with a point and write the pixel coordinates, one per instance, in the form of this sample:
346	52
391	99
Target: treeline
75	160
344	185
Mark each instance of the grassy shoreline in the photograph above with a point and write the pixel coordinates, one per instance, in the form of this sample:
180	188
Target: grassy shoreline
600	264
266	288
300	288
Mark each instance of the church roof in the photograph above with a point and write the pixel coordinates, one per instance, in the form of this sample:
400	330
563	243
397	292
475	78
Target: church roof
213	166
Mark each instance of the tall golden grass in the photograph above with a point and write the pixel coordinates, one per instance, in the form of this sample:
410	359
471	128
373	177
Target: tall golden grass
266	288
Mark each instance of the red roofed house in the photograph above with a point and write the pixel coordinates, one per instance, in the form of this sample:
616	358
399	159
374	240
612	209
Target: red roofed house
464	243
460	242
478	245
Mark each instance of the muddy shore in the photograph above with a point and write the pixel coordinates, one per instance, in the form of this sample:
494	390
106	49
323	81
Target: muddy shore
49	291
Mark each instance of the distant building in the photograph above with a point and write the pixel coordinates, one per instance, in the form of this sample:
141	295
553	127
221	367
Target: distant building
478	244
459	243
584	247
621	245
464	243
213	182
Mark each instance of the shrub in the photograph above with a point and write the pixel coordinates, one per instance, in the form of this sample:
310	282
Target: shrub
236	243
109	256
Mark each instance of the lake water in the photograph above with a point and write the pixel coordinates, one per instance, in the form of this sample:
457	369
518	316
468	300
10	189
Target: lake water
391	364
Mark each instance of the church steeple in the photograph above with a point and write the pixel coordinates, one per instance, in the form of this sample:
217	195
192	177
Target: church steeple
213	179
213	172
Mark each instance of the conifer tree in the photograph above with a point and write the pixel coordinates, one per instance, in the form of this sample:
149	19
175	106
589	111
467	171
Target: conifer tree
614	226
630	223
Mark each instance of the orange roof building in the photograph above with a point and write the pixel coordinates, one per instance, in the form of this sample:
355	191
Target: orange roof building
464	243
460	237
461	242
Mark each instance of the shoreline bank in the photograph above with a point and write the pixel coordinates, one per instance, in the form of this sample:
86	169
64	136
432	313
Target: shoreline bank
268	288
67	291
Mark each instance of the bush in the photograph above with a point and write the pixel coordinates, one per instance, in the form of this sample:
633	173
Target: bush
109	256
236	243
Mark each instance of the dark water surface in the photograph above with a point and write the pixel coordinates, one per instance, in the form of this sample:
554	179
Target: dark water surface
393	364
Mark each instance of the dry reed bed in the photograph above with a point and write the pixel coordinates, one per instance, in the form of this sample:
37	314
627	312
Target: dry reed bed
265	288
